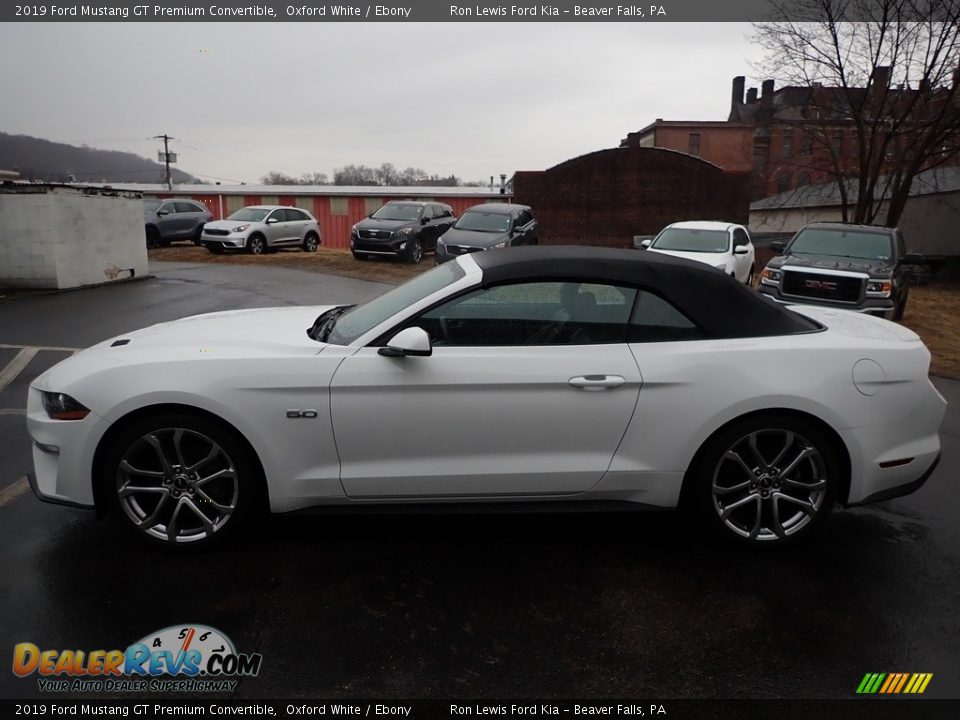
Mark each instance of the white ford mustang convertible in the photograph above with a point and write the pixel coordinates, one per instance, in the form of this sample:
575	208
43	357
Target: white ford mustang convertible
572	375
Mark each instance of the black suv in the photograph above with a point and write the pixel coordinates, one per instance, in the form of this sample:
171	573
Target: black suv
488	226
856	267
401	228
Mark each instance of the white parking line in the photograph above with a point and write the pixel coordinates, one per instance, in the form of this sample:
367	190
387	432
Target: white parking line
40	347
11	493
13	411
16	366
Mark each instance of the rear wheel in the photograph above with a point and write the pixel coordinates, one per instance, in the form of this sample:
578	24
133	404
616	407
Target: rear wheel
311	242
153	238
256	245
198	235
770	479
180	480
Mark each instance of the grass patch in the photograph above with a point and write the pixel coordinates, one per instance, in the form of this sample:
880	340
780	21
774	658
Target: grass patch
933	313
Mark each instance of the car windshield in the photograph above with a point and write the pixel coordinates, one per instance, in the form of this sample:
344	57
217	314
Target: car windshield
150	205
843	243
398	212
363	318
249	214
483	221
690	240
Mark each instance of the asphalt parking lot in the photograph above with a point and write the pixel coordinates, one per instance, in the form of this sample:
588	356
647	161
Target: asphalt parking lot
551	606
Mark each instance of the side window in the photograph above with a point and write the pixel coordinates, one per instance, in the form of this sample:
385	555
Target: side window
277	215
539	313
656	320
185	207
525	218
428	212
168	207
445	212
740	237
295	215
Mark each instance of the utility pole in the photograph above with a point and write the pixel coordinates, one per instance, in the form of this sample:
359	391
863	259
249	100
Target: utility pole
166	155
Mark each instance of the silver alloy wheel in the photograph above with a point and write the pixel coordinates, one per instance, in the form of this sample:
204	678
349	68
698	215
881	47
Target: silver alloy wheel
416	252
256	245
769	499
177	485
310	244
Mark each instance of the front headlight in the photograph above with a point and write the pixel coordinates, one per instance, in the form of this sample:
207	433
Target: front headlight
770	277
879	288
403	231
355	230
500	245
240	228
60	406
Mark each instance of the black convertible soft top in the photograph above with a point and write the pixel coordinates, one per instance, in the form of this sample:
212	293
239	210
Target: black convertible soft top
720	305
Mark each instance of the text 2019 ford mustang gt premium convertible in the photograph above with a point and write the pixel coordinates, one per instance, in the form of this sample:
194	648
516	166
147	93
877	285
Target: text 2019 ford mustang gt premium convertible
539	374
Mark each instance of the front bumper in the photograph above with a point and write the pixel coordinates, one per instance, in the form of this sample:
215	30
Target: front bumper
369	246
31	478
224	242
878	307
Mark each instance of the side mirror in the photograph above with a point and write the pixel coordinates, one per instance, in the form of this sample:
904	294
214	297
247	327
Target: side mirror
646	243
912	259
163	212
741	250
271	221
424	221
778	247
412	341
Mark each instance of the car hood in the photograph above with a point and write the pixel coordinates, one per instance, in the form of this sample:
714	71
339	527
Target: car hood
473	238
233	334
702	257
831	262
374	224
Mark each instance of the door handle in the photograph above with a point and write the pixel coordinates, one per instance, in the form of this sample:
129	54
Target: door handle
597	382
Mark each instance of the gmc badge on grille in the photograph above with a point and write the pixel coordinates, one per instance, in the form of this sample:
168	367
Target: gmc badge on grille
820	284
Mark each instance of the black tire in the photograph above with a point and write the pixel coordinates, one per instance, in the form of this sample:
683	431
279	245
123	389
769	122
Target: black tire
311	242
414	252
182	490
256	244
153	238
750	508
901	308
751	279
198	235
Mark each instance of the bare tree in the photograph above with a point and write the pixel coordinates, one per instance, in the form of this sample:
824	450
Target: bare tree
884	76
278	178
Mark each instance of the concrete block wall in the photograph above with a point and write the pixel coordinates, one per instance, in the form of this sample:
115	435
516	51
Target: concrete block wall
58	238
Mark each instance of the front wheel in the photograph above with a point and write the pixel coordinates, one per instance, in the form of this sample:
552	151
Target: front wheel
901	308
750	276
415	251
180	480
153	238
771	479
256	245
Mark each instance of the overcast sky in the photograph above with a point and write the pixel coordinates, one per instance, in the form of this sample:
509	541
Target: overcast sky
471	99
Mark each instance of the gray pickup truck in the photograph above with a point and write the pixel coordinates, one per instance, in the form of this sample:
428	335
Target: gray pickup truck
856	267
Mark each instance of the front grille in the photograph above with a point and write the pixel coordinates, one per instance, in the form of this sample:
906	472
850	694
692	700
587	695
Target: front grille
374	234
816	286
462	249
209	231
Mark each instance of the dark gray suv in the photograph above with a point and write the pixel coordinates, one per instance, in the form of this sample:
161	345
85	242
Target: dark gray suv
488	226
175	219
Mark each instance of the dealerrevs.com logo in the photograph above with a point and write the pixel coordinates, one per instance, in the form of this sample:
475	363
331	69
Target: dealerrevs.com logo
179	658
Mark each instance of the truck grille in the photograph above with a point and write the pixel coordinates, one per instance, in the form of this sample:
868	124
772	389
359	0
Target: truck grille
832	288
462	249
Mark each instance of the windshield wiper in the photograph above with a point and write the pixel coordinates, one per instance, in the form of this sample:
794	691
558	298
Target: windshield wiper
325	322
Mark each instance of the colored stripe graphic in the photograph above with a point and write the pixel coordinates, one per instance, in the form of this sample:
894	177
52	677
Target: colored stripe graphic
894	683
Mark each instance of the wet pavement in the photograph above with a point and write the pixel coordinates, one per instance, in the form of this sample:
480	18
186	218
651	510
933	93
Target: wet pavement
566	605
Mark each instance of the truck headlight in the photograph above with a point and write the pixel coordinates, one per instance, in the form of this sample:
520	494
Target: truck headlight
879	288
60	406
403	231
770	277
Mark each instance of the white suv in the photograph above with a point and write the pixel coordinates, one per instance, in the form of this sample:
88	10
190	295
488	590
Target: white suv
261	227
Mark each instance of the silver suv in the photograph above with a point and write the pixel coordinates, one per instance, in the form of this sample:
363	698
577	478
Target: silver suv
176	219
259	228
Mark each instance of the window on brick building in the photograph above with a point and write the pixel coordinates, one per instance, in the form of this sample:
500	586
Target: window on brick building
806	145
786	145
783	182
694	143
